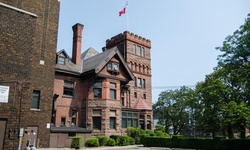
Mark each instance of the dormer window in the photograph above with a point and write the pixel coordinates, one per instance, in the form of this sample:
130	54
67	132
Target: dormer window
113	67
61	60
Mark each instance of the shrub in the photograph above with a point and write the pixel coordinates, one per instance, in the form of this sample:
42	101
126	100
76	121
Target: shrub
135	133
92	142
131	141
159	127
150	132
102	140
123	140
161	134
76	142
116	138
110	142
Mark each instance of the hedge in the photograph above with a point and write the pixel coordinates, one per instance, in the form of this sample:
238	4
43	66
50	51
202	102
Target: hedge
208	144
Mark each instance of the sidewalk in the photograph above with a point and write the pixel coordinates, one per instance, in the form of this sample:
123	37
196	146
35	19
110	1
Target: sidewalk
108	148
94	148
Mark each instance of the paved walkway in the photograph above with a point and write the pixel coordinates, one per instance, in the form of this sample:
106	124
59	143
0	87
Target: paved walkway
108	148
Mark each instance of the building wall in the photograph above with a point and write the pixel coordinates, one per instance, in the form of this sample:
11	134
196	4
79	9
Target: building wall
125	42
65	104
28	46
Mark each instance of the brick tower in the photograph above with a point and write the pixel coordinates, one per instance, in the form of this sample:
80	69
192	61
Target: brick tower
28	38
136	52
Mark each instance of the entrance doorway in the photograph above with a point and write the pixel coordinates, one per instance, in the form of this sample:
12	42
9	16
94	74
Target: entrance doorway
2	132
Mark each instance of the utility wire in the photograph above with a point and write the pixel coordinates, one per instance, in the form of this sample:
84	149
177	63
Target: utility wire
171	87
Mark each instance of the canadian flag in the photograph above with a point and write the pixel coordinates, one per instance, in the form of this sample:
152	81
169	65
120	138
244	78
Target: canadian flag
123	11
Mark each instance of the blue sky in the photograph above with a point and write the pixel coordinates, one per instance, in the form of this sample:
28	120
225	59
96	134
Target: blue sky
183	33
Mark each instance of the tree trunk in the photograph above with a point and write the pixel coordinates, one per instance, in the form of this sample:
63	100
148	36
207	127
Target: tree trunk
230	132
242	132
213	135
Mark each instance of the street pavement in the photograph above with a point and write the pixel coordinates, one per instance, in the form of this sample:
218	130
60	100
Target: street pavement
131	147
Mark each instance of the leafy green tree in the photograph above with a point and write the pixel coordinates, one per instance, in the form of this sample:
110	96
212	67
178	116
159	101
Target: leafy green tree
235	114
173	108
211	95
234	61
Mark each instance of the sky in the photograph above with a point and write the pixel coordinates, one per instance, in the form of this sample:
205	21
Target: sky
183	33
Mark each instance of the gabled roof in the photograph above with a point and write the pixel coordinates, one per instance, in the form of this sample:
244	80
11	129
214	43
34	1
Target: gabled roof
97	62
63	52
69	66
90	52
91	61
141	104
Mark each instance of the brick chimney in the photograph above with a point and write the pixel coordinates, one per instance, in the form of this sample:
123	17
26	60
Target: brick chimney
77	43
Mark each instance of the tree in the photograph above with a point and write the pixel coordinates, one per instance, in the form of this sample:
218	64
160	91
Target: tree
237	115
212	95
234	61
172	106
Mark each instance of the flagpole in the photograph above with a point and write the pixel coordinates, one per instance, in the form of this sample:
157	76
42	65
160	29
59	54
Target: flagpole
127	16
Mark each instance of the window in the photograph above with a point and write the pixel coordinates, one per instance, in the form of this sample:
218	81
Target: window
144	96
97	90
112	122
143	70
149	125
61	60
73	117
97	112
142	52
113	66
68	89
141	116
63	121
139	83
112	90
135	82
124	120
139	68
134	49
35	99
129	119
97	119
143	83
97	123
138	50
71	134
112	113
122	101
135	95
